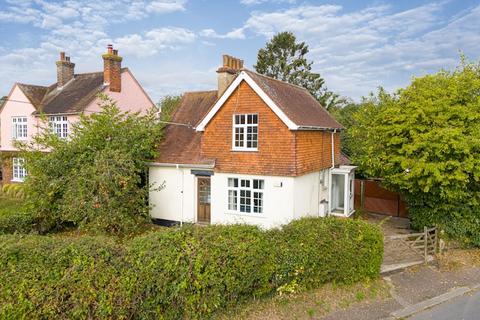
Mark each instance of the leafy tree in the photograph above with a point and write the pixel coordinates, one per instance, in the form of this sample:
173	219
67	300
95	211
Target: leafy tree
285	59
167	106
95	179
424	140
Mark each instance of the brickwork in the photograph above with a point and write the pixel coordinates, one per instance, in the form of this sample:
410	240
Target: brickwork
281	152
7	174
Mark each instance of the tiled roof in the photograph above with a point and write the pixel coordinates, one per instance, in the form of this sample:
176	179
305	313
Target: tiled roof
296	102
74	97
181	144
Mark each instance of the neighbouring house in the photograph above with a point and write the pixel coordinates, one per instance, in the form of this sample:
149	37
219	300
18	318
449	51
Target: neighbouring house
256	150
62	103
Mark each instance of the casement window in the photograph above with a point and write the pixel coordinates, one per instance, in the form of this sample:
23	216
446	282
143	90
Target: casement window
19	128
19	172
245	132
59	125
245	195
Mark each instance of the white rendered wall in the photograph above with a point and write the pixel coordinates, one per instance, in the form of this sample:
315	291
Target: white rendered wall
309	192
277	207
169	202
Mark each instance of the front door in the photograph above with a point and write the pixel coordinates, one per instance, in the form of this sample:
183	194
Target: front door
203	199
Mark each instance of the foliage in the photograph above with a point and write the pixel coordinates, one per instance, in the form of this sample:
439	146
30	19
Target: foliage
95	179
285	59
167	106
424	141
13	190
314	251
186	273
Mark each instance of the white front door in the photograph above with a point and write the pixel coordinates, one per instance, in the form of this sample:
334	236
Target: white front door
342	191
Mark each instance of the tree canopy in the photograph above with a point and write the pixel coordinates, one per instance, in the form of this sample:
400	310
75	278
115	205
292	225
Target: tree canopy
96	178
424	140
284	58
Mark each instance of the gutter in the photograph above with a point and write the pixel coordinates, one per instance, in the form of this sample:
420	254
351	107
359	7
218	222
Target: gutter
319	128
181	165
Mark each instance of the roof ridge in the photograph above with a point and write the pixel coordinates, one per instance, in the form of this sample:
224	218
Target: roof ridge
32	85
200	91
271	78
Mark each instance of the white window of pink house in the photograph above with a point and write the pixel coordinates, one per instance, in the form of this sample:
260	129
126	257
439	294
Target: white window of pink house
19	171
19	128
59	125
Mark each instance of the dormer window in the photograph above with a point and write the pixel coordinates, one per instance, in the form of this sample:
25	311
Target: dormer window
19	128
245	132
59	125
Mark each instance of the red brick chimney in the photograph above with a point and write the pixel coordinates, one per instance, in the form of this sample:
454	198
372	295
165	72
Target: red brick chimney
112	69
65	70
227	72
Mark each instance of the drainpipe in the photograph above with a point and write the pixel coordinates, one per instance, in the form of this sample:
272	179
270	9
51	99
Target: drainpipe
181	197
332	147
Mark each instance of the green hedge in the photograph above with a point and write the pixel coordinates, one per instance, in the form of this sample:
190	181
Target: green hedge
179	273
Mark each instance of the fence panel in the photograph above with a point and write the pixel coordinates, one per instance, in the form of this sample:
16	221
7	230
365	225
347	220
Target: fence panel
372	197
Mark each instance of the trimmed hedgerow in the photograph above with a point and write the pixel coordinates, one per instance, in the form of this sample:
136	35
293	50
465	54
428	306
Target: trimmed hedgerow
190	272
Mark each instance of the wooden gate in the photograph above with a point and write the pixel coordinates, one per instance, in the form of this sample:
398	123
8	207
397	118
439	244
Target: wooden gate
372	197
423	243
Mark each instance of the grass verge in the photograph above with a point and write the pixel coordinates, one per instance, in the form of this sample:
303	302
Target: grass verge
311	304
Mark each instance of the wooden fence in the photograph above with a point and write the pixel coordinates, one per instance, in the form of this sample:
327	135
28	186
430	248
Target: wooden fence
424	243
371	196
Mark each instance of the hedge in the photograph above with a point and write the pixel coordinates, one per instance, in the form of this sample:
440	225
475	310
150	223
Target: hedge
190	272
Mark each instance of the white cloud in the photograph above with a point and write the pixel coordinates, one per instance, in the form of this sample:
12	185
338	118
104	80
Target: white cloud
166	6
154	41
361	50
255	2
234	34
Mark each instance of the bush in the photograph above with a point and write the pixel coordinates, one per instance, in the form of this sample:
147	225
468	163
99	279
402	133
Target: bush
186	273
95	180
47	278
18	222
313	251
13	190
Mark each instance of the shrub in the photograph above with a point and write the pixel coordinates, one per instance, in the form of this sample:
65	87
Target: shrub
203	270
96	179
46	278
313	251
17	222
186	273
13	190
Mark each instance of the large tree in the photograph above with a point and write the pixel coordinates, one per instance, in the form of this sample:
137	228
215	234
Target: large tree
95	179
284	58
424	140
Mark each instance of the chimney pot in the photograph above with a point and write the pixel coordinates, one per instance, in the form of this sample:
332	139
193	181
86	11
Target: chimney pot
227	72
65	70
112	69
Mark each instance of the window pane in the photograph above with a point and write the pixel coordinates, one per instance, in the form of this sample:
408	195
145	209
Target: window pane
255	119
232	199
257	202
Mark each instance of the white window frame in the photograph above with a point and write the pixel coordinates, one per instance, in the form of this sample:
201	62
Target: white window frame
19	128
255	188
244	126
18	169
59	126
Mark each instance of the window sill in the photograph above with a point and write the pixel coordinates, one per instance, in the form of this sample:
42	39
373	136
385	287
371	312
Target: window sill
248	215
244	150
17	180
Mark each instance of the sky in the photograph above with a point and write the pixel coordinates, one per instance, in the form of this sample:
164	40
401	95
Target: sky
173	46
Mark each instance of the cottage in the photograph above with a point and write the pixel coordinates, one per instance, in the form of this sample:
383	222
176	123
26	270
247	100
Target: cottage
256	150
62	103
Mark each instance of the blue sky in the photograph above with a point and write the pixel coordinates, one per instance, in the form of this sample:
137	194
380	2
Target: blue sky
176	45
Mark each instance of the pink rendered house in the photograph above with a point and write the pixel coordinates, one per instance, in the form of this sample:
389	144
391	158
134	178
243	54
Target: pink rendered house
62	103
